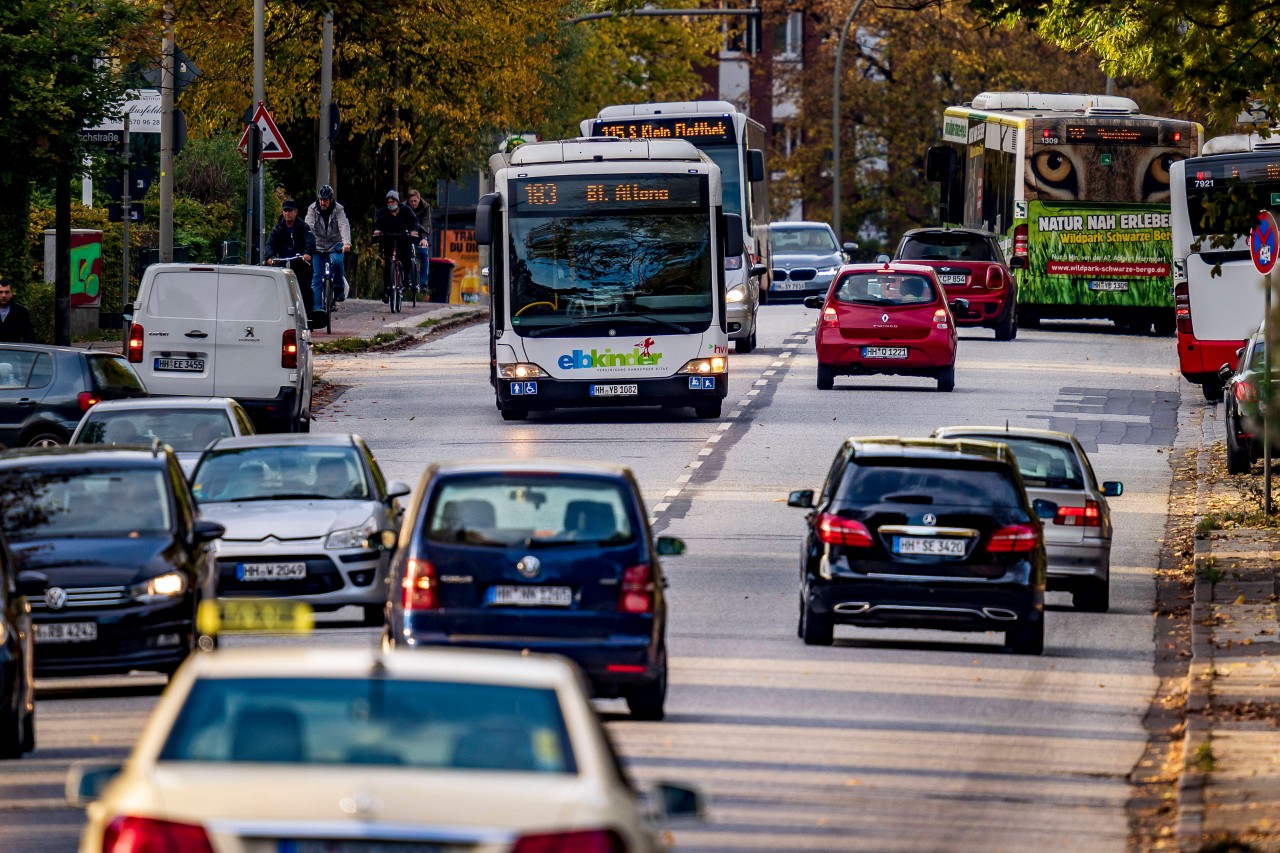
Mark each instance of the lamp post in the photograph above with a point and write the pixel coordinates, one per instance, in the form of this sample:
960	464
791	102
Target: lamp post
835	121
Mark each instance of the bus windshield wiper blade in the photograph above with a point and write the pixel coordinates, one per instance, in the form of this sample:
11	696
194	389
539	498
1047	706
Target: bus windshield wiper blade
684	330
607	318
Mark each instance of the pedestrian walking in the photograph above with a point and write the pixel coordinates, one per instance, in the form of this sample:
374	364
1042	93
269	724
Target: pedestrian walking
15	320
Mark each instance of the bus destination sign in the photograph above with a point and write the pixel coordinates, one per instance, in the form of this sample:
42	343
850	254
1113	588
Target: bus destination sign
581	193
1099	134
706	130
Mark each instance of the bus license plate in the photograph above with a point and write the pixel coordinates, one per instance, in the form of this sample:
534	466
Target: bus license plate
271	571
531	596
614	390
195	364
1112	286
929	546
66	632
884	352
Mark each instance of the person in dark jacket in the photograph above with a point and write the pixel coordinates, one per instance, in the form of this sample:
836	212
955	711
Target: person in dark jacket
15	320
292	236
401	227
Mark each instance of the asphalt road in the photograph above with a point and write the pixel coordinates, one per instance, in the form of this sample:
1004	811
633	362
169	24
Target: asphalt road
889	740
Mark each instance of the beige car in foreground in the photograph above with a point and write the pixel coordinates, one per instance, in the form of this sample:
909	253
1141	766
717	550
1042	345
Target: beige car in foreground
361	751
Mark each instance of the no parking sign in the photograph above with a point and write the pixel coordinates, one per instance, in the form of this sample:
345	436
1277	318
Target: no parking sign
1262	242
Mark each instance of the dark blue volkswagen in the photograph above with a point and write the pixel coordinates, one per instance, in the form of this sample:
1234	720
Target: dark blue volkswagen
547	556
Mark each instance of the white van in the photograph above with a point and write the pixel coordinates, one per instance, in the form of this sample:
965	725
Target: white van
226	331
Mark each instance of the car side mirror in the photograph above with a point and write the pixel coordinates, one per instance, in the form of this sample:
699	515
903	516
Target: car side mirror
672	800
32	584
1044	508
1113	488
882	258
960	305
802	499
206	531
398	489
1240	352
758	270
86	781
669	546
814	301
1224	373
1018	262
850	248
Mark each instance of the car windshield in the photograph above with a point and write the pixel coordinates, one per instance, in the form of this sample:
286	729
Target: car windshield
185	430
945	247
802	241
1042	463
280	473
83	501
374	720
885	289
926	483
504	510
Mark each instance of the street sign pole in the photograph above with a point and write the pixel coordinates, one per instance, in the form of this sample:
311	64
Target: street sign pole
126	203
1264	249
168	15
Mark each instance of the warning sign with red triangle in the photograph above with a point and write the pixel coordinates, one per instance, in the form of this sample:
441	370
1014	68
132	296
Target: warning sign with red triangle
273	145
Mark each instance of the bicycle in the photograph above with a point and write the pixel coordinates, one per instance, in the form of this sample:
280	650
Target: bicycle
330	301
395	294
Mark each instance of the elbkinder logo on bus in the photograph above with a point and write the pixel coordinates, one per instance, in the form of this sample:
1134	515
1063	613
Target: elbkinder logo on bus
641	355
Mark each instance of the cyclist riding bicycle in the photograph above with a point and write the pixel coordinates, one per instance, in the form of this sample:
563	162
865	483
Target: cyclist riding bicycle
401	228
292	238
328	222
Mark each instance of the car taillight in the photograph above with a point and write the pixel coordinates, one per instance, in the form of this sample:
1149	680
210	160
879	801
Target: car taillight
636	595
86	399
1182	307
576	841
1020	240
829	318
940	316
289	348
1246	393
418	589
1079	516
129	834
135	344
834	530
1013	539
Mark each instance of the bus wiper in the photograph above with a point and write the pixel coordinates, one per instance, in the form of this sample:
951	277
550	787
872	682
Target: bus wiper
684	330
606	318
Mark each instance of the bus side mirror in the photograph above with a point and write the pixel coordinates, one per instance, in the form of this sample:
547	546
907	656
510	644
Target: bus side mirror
755	165
733	240
486	211
939	161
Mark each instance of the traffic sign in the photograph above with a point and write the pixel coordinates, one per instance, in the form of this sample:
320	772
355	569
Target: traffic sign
273	145
1262	242
115	212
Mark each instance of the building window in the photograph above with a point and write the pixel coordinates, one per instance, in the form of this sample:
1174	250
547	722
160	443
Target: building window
788	36
734	34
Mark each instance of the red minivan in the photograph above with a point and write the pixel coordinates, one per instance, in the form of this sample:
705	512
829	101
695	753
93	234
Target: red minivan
886	318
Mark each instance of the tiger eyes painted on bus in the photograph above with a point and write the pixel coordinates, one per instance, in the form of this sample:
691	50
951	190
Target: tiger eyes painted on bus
1069	172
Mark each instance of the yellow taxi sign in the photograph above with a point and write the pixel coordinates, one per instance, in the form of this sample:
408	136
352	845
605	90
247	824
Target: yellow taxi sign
254	615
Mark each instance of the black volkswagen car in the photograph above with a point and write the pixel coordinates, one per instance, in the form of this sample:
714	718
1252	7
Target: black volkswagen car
923	533
112	554
17	676
547	556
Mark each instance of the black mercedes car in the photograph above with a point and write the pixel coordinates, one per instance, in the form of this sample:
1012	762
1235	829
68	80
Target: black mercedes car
553	557
17	676
923	533
112	554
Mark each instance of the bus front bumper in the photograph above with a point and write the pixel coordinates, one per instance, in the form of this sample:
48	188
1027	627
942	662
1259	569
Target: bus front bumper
673	391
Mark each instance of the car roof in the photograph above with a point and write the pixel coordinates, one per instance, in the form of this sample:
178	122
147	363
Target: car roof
974	231
893	447
50	348
75	454
531	466
474	665
286	439
1017	432
156	402
890	266
800	224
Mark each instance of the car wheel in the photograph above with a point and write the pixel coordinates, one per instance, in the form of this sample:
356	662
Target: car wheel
816	629
648	701
29	731
745	345
1212	390
1239	459
1027	637
1092	596
45	438
947	378
11	734
1007	328
304	424
707	411
826	377
510	413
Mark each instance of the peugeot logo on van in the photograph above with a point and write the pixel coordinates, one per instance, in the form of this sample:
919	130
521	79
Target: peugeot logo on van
248	331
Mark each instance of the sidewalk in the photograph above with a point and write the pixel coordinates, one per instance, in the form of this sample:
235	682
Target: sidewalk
369	319
1230	788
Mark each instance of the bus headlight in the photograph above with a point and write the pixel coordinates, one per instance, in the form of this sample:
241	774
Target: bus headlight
704	366
737	293
520	370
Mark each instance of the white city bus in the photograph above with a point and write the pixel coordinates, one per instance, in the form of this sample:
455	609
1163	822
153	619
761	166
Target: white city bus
1217	313
736	144
607	272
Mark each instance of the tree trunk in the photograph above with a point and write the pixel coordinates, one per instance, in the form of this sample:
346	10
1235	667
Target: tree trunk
15	220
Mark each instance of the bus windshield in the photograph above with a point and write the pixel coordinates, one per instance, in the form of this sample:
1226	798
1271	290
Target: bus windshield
727	158
631	250
1215	186
1115	160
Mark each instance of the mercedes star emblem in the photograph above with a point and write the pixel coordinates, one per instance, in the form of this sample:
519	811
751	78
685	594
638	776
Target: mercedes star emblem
930	518
55	597
529	566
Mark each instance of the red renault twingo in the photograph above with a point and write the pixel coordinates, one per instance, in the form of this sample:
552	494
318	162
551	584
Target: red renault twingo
886	318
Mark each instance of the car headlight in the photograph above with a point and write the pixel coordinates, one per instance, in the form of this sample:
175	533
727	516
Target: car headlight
168	585
353	537
737	293
701	366
521	370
